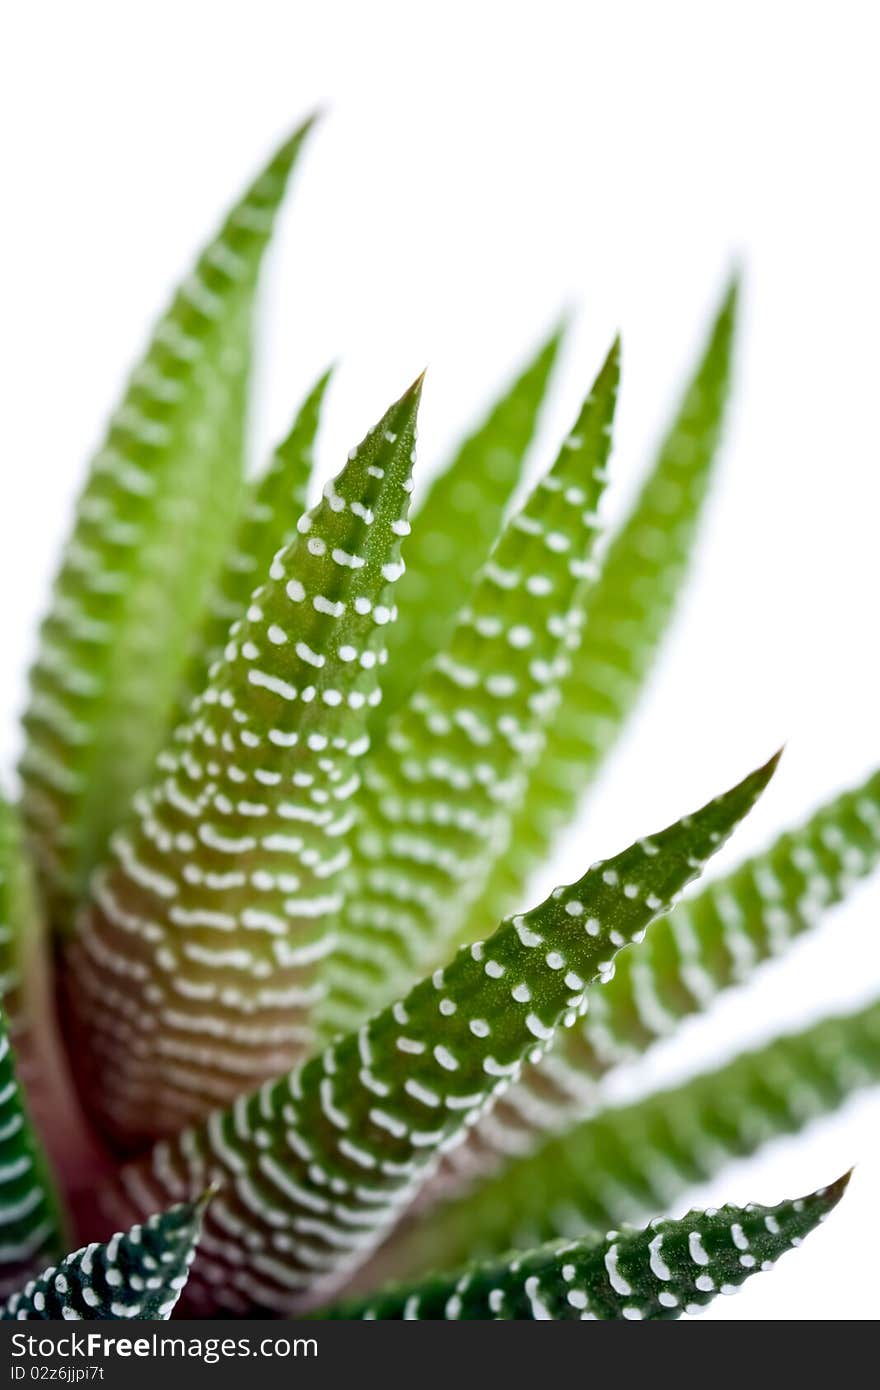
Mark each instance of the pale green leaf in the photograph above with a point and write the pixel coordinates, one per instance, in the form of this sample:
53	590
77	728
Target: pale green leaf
155	517
20	927
273	505
627	613
458	523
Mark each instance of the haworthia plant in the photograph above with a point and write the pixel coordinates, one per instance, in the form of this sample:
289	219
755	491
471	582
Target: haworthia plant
269	825
153	523
625	1163
136	1274
670	1268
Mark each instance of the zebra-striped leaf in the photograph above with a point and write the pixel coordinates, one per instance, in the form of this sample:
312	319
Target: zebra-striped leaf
663	1271
632	1161
136	1274
274	504
711	941
30	1223
716	938
458	523
190	979
627	612
157	514
315	1167
439	793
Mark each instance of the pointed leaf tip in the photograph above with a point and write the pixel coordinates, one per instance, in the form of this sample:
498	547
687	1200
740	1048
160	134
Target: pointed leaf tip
735	279
201	1204
136	1274
563	322
834	1191
752	786
772	763
300	132
621	1165
460	516
725	315
612	362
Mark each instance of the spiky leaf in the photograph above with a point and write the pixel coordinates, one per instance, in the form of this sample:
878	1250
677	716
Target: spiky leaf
628	611
274	504
669	1268
458	523
136	1274
708	943
19	919
30	1223
190	978
316	1166
439	794
719	936
631	1161
152	524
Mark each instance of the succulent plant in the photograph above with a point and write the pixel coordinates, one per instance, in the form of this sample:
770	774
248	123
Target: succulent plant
279	1007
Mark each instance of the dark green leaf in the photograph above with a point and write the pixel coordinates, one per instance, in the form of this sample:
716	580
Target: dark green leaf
670	1268
136	1274
30	1224
631	1161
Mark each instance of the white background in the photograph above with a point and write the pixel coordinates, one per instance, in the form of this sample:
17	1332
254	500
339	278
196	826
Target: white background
479	167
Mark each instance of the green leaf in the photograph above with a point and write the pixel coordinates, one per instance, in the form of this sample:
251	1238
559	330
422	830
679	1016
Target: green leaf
152	524
663	1271
711	941
629	609
30	1223
440	792
136	1274
191	976
718	937
457	525
633	1160
273	506
315	1167
20	927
